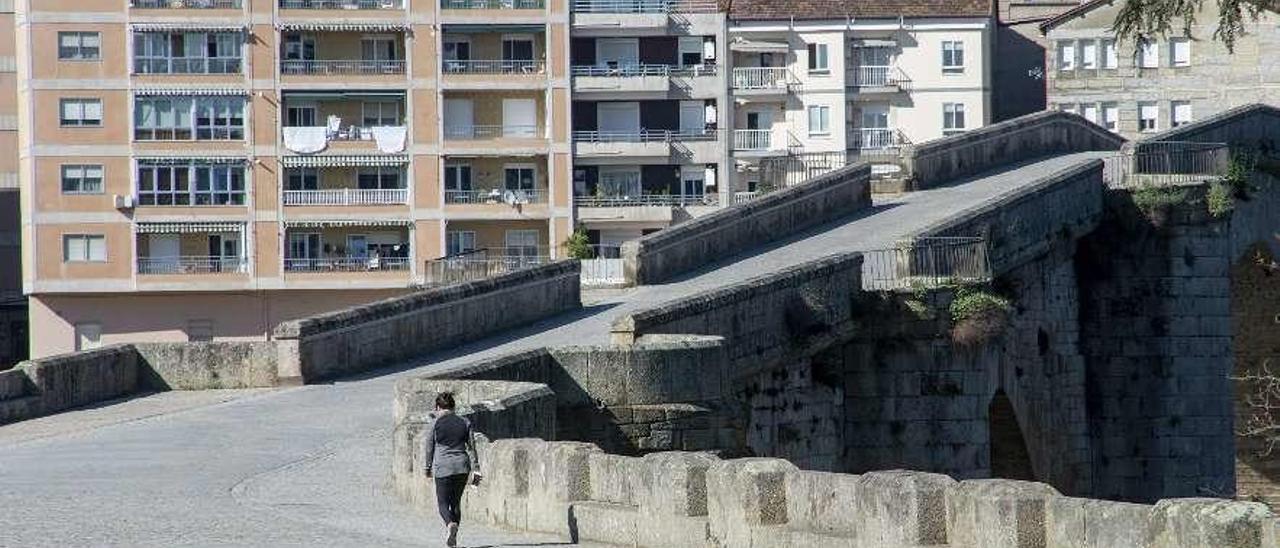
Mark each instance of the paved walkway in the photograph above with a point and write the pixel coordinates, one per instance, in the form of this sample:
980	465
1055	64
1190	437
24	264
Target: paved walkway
308	466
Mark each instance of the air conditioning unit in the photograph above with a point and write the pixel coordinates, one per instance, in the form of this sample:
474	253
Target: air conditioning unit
123	202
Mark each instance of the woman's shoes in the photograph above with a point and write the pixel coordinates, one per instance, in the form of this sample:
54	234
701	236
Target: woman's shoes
452	539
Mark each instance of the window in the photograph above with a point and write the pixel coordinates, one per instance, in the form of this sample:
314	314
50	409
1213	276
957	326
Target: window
1180	52
1088	54
459	241
953	56
1110	116
81	248
520	177
690	51
1090	112
1179	113
952	118
82	179
219	118
299	47
88	336
79	46
522	243
1067	55
302	178
371	178
1148	116
378	48
457	176
80	112
381	113
187	52
182	118
197	184
819	120
1148	55
818	61
1069	108
1110	59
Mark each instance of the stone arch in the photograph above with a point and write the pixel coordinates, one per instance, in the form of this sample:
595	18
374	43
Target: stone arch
1010	458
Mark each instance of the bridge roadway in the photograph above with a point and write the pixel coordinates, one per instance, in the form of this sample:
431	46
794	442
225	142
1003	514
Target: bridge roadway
307	466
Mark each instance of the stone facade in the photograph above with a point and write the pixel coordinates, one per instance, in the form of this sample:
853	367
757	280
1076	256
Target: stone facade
1213	80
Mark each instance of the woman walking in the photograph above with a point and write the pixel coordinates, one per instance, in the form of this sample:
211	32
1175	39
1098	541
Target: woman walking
451	454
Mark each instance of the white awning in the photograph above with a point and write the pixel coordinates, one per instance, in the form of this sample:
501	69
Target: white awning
346	26
345	161
338	223
874	43
172	160
192	90
188	228
758	46
209	27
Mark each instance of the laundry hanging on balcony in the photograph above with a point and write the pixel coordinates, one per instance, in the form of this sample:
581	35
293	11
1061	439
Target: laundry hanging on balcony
306	140
390	139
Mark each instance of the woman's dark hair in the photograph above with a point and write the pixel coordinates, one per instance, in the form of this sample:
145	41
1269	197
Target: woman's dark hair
444	400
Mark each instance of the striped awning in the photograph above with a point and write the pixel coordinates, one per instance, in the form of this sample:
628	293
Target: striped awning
338	223
345	161
188	228
211	26
192	90
346	26
182	160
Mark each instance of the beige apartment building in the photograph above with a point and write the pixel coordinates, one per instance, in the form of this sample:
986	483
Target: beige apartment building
13	305
204	169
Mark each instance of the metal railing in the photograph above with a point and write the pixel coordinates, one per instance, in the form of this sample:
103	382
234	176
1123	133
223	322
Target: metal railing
492	4
495	196
793	169
874	138
480	264
644	6
487	132
877	76
341	4
346	197
368	263
341	67
187	65
191	265
926	263
495	66
625	71
753	139
646	200
1166	163
744	197
188	4
641	136
768	78
604	266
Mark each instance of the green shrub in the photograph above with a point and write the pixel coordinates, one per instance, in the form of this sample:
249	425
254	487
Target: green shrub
972	302
578	245
1221	199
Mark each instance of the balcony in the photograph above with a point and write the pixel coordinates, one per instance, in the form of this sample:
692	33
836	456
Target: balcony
347	197
763	142
184	265
875	141
341	4
487	11
494	196
352	263
480	264
762	82
637	80
366	247
647	200
370	122
341	67
333	52
648	143
493	132
187	4
877	79
632	16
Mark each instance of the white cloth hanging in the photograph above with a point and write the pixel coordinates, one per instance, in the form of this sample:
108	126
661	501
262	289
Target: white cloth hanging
305	140
390	139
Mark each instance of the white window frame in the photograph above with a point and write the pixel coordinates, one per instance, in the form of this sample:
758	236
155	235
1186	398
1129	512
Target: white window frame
1174	119
823	125
1110	56
79	46
1089	111
1148	54
81	176
1110	116
1153	108
379	109
819	58
85	254
690	45
459	241
83	108
1066	55
224	185
1088	54
953	118
1174	60
953	56
380	40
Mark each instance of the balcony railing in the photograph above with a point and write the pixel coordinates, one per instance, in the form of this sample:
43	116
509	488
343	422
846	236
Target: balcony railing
492	4
495	196
347	197
926	262
644	6
753	139
191	265
341	67
480	264
341	4
644	136
647	200
522	66
487	132
877	76
368	263
875	139
627	71
762	78
1164	163
188	4
199	65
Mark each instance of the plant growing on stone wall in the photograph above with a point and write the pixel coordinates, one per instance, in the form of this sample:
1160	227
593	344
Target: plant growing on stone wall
1155	201
1262	406
578	245
978	315
1220	199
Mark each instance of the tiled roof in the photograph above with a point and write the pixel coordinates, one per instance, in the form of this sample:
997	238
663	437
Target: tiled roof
840	9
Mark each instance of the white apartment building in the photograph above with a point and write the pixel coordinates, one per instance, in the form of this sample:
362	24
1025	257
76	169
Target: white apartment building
859	81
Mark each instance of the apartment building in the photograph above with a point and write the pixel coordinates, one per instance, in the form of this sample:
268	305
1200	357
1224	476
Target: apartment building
204	169
1143	88
1019	66
853	80
13	305
649	87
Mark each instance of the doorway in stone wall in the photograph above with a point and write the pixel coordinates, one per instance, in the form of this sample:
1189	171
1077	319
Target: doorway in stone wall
1009	456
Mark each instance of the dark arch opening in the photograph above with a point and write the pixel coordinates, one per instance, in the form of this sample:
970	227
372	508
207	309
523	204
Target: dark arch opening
1009	456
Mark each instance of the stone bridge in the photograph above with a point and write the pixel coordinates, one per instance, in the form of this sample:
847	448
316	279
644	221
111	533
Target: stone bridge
750	334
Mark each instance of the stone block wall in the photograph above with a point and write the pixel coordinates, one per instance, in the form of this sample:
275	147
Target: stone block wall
666	254
48	385
382	333
1024	138
1250	126
1255	306
207	365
